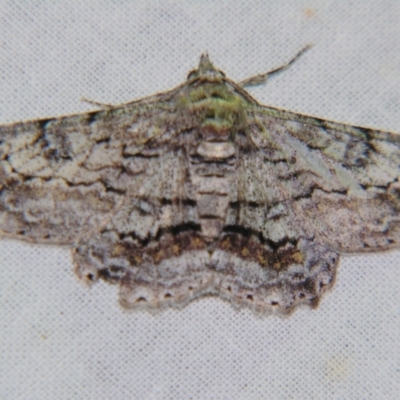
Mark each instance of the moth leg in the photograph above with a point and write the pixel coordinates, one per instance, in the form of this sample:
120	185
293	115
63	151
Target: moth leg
262	78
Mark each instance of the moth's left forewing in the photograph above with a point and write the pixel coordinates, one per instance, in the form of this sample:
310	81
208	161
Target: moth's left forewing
347	178
62	178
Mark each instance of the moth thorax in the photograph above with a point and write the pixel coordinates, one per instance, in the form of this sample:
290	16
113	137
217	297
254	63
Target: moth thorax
216	131
216	141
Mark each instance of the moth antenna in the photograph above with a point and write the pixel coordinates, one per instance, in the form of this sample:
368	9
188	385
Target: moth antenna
96	103
262	78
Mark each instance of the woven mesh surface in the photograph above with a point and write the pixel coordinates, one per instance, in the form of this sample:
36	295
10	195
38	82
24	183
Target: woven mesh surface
60	340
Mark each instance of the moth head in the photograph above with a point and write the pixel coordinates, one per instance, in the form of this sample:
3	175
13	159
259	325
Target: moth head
205	69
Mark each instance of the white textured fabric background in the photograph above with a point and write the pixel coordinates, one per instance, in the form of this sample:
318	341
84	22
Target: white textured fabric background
60	340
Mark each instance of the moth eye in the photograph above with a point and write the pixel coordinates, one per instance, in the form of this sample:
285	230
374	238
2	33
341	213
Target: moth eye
192	74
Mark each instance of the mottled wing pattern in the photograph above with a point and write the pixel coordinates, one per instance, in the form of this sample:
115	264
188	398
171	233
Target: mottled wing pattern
153	242
62	178
342	181
264	254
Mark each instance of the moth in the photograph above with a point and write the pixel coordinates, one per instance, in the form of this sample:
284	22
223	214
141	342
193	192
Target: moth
200	191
